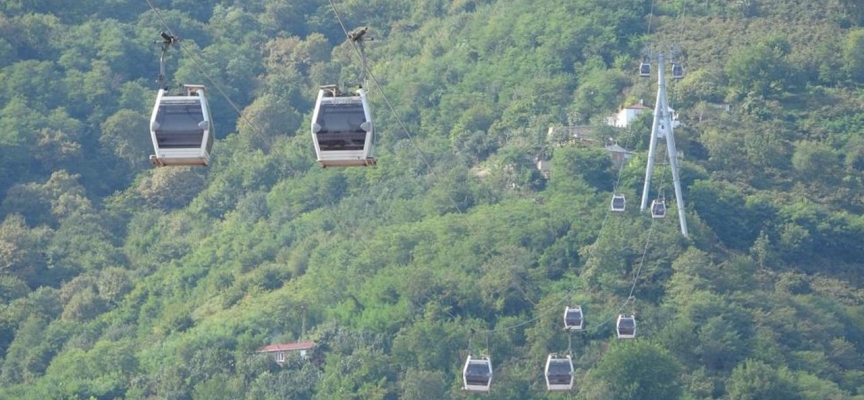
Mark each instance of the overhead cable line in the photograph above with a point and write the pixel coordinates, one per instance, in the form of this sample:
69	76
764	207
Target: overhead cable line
368	72
203	72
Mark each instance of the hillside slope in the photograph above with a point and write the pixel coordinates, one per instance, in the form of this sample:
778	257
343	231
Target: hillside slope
120	281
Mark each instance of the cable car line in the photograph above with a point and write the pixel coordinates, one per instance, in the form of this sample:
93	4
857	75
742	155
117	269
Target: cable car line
368	73
371	76
645	66
650	17
618	202
566	299
638	270
424	158
484	364
181	125
681	18
630	296
203	72
578	308
638	273
623	306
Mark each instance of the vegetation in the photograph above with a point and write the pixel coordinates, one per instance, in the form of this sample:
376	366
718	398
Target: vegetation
120	281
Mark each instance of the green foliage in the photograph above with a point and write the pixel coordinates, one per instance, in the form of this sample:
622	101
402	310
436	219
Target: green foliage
640	370
593	165
418	385
124	134
754	380
735	219
853	63
598	93
122	281
761	69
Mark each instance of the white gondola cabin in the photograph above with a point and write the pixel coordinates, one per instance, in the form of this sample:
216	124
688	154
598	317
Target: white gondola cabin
342	129
658	208
677	71
574	320
181	128
559	373
618	203
477	374
645	69
626	326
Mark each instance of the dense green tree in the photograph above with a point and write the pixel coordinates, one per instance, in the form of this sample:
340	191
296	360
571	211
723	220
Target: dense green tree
12	288
853	63
121	281
640	370
170	188
760	69
218	387
753	380
816	162
26	358
126	135
597	94
592	165
22	253
419	385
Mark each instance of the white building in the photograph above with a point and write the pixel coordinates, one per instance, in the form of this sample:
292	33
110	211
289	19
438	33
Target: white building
624	117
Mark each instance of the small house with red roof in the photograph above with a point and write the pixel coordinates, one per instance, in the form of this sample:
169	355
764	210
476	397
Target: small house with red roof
280	352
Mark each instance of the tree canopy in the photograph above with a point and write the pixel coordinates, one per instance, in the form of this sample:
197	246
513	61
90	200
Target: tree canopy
487	214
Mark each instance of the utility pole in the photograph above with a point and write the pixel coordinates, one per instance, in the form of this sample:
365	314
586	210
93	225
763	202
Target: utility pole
662	128
303	320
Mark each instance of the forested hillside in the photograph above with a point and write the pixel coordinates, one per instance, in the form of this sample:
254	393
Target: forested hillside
123	281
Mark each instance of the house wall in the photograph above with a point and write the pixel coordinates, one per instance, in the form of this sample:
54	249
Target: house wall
624	117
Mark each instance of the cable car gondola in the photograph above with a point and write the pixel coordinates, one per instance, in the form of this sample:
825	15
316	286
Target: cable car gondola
574	320
677	71
342	129
658	208
645	69
626	326
559	373
477	374
618	203
181	128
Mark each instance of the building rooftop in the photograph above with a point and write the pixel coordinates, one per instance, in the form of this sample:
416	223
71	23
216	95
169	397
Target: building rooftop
301	345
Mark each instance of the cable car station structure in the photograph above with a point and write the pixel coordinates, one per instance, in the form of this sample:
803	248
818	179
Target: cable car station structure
662	128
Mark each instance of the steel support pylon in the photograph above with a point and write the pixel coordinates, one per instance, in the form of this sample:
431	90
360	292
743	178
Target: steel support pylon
662	128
